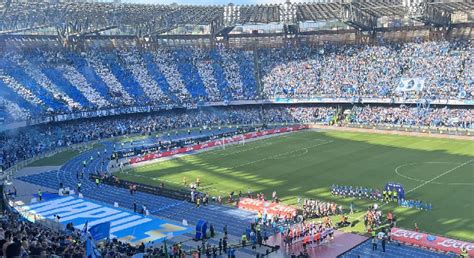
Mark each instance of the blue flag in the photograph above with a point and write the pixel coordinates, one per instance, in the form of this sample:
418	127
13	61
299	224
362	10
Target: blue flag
100	231
90	249
84	231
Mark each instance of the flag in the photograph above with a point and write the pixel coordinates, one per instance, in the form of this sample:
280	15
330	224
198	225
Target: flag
100	231
166	248
84	231
90	249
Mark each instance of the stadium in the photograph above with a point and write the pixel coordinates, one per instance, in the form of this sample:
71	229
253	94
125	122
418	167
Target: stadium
331	128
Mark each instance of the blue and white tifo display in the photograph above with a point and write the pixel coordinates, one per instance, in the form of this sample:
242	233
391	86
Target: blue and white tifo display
124	225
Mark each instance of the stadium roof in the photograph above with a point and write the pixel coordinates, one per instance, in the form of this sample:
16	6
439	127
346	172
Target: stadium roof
68	18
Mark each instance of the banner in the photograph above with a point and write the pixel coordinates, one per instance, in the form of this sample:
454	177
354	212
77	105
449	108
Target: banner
411	84
437	243
398	187
214	143
270	208
100	231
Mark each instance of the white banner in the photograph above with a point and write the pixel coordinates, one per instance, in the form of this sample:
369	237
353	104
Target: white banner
411	84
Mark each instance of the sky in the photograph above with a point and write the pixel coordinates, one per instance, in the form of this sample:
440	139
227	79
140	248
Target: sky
211	2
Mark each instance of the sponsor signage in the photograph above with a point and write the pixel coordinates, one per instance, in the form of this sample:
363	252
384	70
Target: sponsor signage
438	243
214	143
270	208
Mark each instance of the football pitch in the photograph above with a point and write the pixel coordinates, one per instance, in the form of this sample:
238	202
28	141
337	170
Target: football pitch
306	163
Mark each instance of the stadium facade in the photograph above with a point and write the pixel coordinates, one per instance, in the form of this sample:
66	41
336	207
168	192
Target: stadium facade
82	24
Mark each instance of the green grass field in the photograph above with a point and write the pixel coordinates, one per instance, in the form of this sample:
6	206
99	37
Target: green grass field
60	158
307	163
55	160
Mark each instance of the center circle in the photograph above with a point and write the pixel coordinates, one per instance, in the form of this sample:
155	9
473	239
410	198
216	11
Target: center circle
399	168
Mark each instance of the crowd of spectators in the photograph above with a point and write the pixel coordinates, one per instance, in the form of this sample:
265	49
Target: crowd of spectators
117	92
78	80
369	71
12	110
22	238
136	65
15	86
24	92
202	61
97	79
32	70
299	114
17	145
31	141
165	62
413	116
232	73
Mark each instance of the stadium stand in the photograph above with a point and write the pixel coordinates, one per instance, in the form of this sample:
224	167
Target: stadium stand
368	71
351	72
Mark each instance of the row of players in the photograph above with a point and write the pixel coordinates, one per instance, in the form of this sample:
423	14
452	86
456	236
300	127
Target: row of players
376	194
364	192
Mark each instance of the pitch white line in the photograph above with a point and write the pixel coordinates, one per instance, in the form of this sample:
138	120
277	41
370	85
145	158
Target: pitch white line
297	155
440	175
245	150
426	182
278	155
245	164
419	180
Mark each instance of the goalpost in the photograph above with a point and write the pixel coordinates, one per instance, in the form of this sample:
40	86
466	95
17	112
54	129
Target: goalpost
237	139
240	141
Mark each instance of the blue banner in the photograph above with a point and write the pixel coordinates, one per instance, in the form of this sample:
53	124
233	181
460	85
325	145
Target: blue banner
100	231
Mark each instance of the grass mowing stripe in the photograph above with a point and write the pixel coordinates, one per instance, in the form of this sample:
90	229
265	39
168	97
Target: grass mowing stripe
357	159
278	155
436	177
